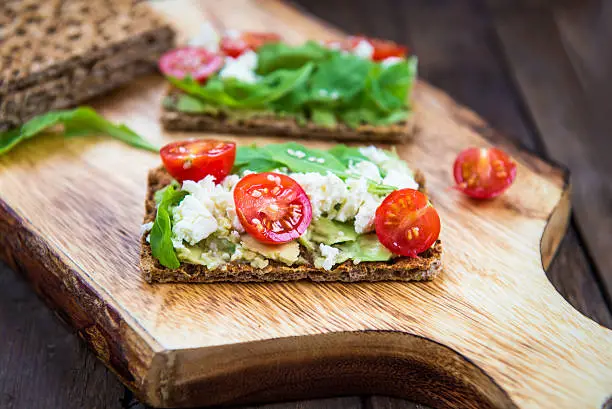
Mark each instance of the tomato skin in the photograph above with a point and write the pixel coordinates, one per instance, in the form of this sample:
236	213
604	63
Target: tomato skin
272	207
248	40
197	62
194	159
406	223
382	48
484	173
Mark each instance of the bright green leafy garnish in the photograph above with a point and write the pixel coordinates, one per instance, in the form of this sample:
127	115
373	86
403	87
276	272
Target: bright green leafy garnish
309	82
82	121
161	232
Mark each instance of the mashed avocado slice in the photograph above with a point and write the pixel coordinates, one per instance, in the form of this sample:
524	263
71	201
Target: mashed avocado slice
366	248
330	232
287	253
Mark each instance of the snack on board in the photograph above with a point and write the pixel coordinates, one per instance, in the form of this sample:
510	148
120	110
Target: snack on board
254	83
56	54
284	212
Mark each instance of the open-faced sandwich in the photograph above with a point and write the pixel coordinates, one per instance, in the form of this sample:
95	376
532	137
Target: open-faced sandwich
246	82
284	212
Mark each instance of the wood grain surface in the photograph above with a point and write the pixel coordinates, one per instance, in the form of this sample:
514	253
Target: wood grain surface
70	222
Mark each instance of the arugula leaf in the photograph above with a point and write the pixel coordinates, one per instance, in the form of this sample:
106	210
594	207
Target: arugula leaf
347	154
159	195
387	88
77	122
314	160
161	232
379	189
323	117
274	56
257	166
190	104
343	75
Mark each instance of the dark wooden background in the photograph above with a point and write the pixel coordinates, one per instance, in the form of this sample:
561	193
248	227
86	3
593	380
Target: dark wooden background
539	71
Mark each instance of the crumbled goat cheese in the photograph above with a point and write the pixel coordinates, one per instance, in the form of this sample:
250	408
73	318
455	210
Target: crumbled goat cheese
330	255
233	34
378	156
330	196
398	173
206	209
364	220
193	222
145	228
364	49
366	169
324	191
206	38
389	61
242	67
400	179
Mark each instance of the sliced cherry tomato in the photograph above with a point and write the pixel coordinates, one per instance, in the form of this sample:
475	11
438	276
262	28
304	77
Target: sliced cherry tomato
248	40
484	173
197	62
406	223
195	159
272	207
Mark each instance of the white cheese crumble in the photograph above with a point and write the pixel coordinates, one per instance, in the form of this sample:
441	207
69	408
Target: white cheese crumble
206	38
324	191
378	156
330	255
364	49
207	209
145	228
398	174
366	169
242	67
389	61
364	220
233	34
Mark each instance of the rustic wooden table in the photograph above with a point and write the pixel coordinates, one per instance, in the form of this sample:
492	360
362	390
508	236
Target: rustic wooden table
538	73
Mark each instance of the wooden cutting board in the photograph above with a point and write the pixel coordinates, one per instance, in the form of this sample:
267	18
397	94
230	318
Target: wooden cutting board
491	332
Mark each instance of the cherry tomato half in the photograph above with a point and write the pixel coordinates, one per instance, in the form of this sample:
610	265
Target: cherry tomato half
382	48
195	159
247	40
483	173
406	223
272	207
197	62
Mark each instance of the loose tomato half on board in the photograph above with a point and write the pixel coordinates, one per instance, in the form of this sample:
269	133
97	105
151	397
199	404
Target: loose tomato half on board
197	158
234	46
197	62
407	223
272	207
483	173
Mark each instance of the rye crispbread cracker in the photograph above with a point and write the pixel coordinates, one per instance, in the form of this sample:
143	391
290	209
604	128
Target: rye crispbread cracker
58	53
272	125
426	267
